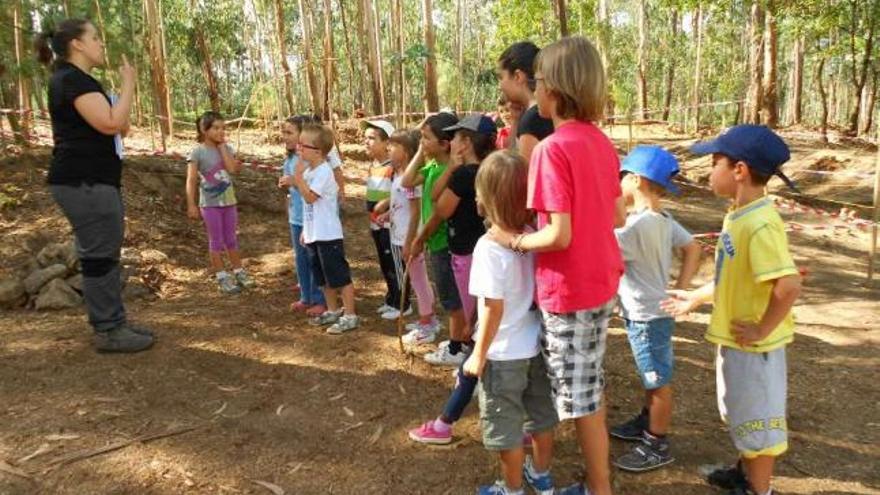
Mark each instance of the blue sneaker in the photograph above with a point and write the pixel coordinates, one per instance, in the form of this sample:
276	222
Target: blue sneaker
576	489
543	483
499	488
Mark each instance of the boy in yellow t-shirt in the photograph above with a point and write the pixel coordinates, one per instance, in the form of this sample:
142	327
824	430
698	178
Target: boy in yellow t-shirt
756	284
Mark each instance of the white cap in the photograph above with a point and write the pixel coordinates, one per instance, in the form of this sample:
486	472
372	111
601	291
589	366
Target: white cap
384	125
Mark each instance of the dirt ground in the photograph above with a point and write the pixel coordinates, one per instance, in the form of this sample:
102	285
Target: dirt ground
274	400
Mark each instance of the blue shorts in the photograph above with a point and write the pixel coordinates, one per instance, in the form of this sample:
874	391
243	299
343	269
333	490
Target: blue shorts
651	343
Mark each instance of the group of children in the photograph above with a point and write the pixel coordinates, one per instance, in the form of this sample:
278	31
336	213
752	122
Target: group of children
531	249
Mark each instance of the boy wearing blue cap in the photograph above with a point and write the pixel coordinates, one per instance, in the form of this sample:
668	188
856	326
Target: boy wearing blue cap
647	243
756	284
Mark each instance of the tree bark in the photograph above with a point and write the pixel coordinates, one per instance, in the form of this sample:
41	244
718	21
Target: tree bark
377	35
860	70
603	45
872	100
22	86
562	15
756	63
642	72
797	82
205	57
311	80
432	99
695	94
459	50
357	98
329	60
158	67
368	30
282	53
823	98
770	97
670	64
400	99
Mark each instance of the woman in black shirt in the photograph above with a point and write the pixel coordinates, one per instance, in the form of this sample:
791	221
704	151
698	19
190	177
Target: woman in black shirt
84	176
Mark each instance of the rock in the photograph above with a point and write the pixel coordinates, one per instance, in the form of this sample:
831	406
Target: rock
36	280
76	282
57	295
153	256
12	293
58	253
129	257
136	289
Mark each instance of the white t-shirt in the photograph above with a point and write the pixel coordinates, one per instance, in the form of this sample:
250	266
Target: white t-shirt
334	159
321	218
399	209
499	273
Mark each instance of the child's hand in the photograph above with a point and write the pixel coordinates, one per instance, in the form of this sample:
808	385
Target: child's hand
474	365
680	302
192	211
746	334
417	246
499	236
302	240
405	252
285	181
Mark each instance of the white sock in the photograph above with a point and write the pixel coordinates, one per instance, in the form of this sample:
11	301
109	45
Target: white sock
222	274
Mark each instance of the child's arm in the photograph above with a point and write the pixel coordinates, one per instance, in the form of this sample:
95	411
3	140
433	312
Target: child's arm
192	187
619	212
230	163
443	181
785	292
682	302
340	181
411	176
690	263
555	236
486	331
302	186
444	208
382	206
526	143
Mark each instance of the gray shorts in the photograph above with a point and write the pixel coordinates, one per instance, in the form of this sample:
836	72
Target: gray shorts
514	397
444	279
574	347
751	399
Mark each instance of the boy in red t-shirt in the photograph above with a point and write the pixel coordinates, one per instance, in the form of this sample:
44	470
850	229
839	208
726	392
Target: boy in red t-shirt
575	191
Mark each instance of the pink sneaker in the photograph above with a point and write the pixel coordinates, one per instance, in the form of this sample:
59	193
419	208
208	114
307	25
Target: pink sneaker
427	434
299	306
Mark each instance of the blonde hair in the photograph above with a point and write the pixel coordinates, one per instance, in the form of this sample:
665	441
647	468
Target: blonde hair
323	136
502	185
572	69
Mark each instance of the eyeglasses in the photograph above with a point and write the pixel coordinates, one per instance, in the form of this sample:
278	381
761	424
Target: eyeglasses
307	146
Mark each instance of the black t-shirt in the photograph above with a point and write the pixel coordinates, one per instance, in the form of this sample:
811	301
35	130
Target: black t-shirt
465	225
532	123
81	153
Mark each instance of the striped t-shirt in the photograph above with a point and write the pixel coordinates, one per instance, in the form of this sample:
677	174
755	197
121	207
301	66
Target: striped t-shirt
378	187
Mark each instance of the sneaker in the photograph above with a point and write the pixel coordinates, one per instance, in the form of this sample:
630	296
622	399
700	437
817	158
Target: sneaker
345	323
384	309
543	483
499	488
633	430
421	334
243	279
576	489
326	318
316	310
134	327
729	478
121	339
227	285
428	434
442	357
652	453
395	314
434	324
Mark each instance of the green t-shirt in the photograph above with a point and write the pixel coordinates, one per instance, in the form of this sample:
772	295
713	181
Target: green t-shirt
431	172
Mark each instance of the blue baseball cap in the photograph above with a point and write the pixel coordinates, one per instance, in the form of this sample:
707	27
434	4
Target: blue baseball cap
756	145
475	122
653	163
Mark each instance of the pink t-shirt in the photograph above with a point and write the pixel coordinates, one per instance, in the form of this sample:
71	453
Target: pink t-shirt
576	170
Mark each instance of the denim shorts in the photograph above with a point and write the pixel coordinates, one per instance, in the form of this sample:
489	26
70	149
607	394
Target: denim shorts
329	266
444	279
651	343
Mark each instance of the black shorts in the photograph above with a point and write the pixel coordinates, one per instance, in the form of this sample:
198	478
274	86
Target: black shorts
328	263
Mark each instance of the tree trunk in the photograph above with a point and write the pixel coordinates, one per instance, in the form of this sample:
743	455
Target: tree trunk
872	100
400	99
22	85
357	98
459	50
603	45
562	15
642	72
432	99
329	60
797	82
311	80
377	32
670	64
368	31
695	94
100	19
282	53
756	63
860	70
770	98
823	98
205	56
158	68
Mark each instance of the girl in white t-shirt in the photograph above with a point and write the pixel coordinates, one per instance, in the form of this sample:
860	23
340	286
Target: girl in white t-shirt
514	390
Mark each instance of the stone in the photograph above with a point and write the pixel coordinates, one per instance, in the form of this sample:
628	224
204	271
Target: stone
12	293
129	257
57	295
36	280
153	256
136	289
76	282
58	253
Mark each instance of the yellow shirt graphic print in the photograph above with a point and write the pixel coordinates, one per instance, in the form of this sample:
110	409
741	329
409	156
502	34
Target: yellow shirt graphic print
752	252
